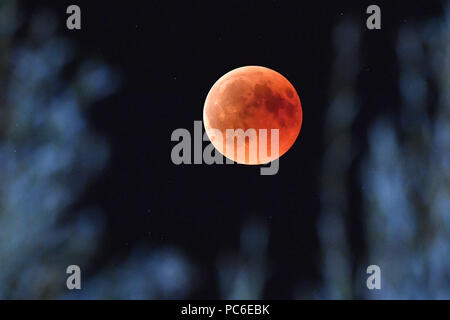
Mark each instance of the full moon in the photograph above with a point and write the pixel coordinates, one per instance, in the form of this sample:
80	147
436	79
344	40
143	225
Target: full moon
252	97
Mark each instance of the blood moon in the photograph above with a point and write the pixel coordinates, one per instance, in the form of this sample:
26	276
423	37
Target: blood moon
252	97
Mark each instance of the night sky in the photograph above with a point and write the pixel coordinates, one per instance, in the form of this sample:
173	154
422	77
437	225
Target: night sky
169	55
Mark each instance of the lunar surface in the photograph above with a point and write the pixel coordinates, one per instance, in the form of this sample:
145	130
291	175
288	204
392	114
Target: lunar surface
256	98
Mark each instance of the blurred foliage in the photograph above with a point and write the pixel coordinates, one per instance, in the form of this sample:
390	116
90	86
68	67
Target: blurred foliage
336	162
404	176
406	172
48	154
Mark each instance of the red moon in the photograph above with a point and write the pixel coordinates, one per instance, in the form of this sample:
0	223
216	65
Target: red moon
252	97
